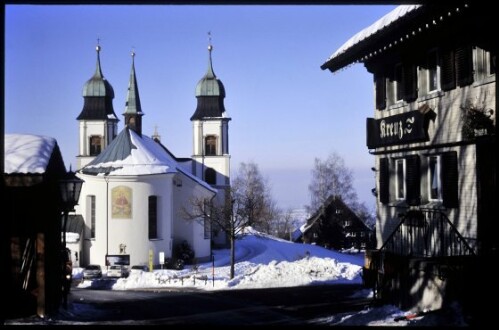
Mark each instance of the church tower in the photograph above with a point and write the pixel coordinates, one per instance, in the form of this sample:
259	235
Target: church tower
133	110
211	131
98	123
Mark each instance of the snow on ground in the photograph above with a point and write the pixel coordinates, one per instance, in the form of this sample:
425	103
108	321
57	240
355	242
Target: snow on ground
262	261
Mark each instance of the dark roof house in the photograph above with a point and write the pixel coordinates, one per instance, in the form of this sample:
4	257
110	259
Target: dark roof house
336	226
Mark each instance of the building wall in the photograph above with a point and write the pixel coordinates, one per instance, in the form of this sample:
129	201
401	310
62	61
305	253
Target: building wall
87	128
184	193
221	162
133	232
445	134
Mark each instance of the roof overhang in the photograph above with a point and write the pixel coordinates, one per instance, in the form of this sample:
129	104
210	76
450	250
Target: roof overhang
391	31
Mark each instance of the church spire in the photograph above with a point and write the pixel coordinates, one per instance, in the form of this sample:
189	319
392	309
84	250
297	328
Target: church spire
210	92
210	73
98	95
133	110
98	71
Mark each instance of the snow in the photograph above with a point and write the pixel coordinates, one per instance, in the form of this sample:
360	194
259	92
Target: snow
263	261
27	153
72	237
374	28
147	158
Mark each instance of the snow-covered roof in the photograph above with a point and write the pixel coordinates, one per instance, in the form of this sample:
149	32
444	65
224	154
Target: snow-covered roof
133	154
374	29
27	153
377	26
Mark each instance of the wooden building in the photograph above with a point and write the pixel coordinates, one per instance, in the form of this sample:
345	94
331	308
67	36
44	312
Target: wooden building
337	227
433	135
31	226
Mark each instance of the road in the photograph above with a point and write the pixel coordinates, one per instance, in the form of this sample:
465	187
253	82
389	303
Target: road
277	306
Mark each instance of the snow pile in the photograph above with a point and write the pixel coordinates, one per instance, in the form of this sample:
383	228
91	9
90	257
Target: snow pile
262	261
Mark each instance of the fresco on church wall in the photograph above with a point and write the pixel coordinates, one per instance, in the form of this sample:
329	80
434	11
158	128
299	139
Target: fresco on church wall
121	198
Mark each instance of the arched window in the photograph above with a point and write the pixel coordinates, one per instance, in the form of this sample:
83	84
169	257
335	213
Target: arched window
210	145
95	145
210	176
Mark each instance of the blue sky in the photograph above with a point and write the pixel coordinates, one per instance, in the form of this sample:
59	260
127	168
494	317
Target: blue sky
285	110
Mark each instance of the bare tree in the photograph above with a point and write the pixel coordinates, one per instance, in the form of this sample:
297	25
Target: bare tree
247	203
252	192
226	217
283	225
331	177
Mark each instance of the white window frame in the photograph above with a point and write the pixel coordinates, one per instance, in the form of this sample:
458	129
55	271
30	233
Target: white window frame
429	71
400	163
436	178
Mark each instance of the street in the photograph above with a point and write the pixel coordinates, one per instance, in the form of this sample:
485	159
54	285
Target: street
277	306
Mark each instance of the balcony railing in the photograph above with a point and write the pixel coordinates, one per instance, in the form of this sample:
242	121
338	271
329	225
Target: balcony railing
426	233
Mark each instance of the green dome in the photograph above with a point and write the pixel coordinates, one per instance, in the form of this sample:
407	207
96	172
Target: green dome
209	85
98	85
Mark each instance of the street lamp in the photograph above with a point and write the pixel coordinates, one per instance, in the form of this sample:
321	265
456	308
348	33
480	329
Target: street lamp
70	187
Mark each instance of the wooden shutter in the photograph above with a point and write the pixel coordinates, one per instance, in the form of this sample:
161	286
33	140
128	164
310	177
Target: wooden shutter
380	84
449	178
464	65
410	83
412	180
384	181
447	71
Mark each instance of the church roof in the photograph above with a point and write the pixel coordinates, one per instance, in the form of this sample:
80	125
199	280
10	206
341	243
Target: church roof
130	154
133	99
98	95
210	93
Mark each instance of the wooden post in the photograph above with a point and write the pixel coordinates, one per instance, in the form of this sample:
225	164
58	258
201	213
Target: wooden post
40	274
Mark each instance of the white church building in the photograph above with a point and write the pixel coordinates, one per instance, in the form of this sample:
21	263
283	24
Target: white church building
135	190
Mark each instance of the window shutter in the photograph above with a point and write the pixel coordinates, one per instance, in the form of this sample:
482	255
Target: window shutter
384	181
464	65
410	83
447	72
412	180
450	179
380	82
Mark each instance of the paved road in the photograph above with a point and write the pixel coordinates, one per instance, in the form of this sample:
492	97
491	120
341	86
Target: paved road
278	306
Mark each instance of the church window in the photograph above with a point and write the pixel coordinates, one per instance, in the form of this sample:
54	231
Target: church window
153	217
91	215
211	145
210	176
95	145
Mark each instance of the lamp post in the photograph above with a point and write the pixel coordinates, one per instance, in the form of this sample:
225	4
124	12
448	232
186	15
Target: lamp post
70	187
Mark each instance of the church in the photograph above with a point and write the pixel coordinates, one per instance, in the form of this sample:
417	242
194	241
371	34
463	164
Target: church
135	190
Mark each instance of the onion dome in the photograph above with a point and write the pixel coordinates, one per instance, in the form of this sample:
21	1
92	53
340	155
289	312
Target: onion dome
98	96
210	93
